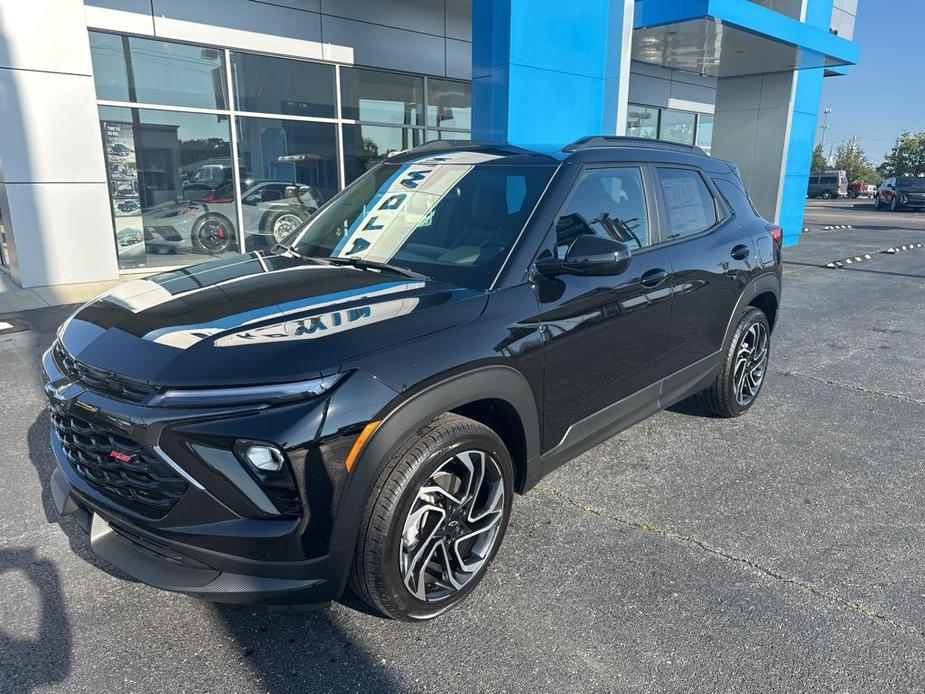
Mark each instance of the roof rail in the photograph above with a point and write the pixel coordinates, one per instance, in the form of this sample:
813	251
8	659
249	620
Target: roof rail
592	141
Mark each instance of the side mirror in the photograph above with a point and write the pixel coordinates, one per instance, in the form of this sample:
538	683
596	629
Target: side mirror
589	255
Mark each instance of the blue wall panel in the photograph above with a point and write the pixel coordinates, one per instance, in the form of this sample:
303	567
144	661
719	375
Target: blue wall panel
545	71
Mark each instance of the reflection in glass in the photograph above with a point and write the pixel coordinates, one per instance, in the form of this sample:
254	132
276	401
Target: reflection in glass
705	133
367	145
678	126
449	104
289	171
642	121
276	85
433	135
161	73
381	97
171	184
4	260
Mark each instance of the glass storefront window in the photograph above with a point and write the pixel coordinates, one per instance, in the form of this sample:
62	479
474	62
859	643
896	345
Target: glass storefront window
109	66
449	104
276	85
367	145
171	183
289	171
705	133
158	72
176	195
642	121
4	260
381	97
677	126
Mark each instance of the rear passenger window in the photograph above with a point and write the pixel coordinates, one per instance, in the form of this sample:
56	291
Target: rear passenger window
606	202
688	203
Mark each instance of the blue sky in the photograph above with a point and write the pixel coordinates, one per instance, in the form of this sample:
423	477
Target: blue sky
885	92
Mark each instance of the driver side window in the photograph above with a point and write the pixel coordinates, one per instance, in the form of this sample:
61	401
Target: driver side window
607	202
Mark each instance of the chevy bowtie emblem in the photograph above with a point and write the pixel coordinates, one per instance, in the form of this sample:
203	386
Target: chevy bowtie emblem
121	457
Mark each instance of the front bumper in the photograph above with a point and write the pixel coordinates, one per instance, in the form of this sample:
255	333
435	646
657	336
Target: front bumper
170	565
214	541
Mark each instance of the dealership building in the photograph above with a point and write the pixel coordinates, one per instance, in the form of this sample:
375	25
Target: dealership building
143	135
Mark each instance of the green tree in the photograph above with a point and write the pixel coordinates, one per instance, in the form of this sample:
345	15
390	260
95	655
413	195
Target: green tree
819	163
907	158
850	157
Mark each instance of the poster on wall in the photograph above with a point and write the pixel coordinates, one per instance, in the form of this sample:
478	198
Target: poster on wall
119	143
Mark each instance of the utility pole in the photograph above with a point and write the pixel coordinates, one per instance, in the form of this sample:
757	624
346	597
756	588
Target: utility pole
825	126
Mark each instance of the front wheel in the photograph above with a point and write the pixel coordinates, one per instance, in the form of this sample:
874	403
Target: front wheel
877	203
827	195
213	234
739	382
435	519
894	204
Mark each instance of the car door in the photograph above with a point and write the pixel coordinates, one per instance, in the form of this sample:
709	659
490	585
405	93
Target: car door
604	336
712	257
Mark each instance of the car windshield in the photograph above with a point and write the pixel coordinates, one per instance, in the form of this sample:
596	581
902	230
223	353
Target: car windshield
911	182
454	222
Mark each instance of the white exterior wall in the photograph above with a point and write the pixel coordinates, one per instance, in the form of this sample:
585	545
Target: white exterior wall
654	85
844	16
54	192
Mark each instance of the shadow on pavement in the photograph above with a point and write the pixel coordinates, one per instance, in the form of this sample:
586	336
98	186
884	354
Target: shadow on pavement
305	651
44	659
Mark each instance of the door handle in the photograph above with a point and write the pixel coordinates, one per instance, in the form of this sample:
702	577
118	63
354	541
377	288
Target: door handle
740	252
653	277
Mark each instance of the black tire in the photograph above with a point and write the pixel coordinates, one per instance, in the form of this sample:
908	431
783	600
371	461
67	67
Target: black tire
213	234
722	397
894	203
827	195
383	542
877	204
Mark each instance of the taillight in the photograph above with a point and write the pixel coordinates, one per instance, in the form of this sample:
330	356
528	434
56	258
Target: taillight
777	233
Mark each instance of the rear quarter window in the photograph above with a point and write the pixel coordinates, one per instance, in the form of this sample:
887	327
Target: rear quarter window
736	198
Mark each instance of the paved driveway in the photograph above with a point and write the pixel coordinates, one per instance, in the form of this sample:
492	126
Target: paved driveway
782	551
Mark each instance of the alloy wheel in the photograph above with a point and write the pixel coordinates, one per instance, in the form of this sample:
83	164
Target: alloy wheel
452	526
285	225
214	236
751	363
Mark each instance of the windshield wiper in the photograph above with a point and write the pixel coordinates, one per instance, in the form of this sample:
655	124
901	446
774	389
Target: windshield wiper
364	264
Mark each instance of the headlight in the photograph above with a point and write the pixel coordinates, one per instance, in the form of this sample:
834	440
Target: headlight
268	394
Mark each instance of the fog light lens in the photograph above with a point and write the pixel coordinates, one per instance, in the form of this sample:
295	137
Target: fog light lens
264	457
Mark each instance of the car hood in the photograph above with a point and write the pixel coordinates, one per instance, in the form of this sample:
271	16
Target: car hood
257	318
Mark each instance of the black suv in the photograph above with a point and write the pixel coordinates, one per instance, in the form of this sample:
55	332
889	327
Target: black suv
358	405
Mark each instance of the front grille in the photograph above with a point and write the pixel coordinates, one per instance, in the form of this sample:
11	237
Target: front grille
144	483
101	381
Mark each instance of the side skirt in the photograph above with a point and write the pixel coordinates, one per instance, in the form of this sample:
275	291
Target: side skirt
610	421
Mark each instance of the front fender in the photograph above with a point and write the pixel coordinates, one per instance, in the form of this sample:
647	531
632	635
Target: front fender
407	413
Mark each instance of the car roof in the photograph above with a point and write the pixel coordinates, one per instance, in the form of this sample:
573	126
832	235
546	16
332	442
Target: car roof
593	149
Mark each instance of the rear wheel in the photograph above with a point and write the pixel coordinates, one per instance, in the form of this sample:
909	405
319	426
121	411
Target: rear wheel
827	195
435	519
739	382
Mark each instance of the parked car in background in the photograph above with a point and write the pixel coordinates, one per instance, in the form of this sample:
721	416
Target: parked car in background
360	404
272	210
860	189
828	185
901	192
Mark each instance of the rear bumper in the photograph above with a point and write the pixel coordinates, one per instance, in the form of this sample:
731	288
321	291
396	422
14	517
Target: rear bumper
174	566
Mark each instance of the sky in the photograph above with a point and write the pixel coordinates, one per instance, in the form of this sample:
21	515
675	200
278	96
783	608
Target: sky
884	93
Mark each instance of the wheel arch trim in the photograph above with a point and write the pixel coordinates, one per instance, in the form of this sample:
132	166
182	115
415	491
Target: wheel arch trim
399	419
766	283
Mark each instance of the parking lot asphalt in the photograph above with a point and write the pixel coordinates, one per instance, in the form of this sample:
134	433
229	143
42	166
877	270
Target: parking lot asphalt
781	551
